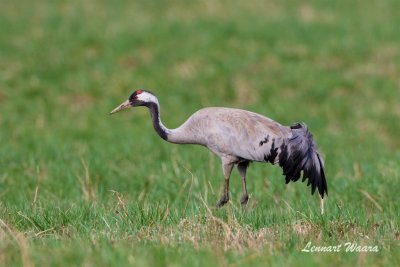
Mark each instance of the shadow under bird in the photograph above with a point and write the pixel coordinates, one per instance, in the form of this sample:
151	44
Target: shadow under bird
239	137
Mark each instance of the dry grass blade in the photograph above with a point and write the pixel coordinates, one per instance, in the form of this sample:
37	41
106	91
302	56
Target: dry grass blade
22	244
88	190
29	220
120	202
44	232
370	198
190	191
33	205
234	235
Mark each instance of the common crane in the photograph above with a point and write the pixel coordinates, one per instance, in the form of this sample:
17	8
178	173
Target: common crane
239	137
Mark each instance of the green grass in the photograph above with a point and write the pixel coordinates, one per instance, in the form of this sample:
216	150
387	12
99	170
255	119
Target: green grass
78	187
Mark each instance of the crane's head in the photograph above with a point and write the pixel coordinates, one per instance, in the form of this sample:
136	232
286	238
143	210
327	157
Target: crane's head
137	98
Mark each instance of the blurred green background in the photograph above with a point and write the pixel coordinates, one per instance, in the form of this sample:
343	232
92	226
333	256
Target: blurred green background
78	187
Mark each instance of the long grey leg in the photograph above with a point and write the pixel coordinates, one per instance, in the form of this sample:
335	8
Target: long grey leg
227	169
242	167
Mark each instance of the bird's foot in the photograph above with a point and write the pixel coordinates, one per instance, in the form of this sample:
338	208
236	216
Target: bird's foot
244	200
224	199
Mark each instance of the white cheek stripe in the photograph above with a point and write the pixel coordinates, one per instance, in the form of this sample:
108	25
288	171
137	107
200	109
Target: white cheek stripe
146	97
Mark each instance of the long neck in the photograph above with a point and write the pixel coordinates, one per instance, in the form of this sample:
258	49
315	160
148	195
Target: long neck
176	136
162	131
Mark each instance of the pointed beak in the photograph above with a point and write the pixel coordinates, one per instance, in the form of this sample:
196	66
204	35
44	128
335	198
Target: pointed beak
124	105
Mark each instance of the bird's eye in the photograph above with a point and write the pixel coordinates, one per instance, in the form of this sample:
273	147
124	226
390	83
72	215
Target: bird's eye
133	97
135	94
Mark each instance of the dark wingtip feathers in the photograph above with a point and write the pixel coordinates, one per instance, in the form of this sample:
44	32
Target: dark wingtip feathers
299	155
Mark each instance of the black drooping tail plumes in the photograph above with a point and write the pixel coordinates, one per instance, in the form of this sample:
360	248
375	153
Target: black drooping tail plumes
299	154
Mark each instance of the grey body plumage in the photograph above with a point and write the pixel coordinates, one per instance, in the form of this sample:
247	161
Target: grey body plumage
239	137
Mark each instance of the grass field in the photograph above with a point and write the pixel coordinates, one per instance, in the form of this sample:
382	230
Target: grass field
81	188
